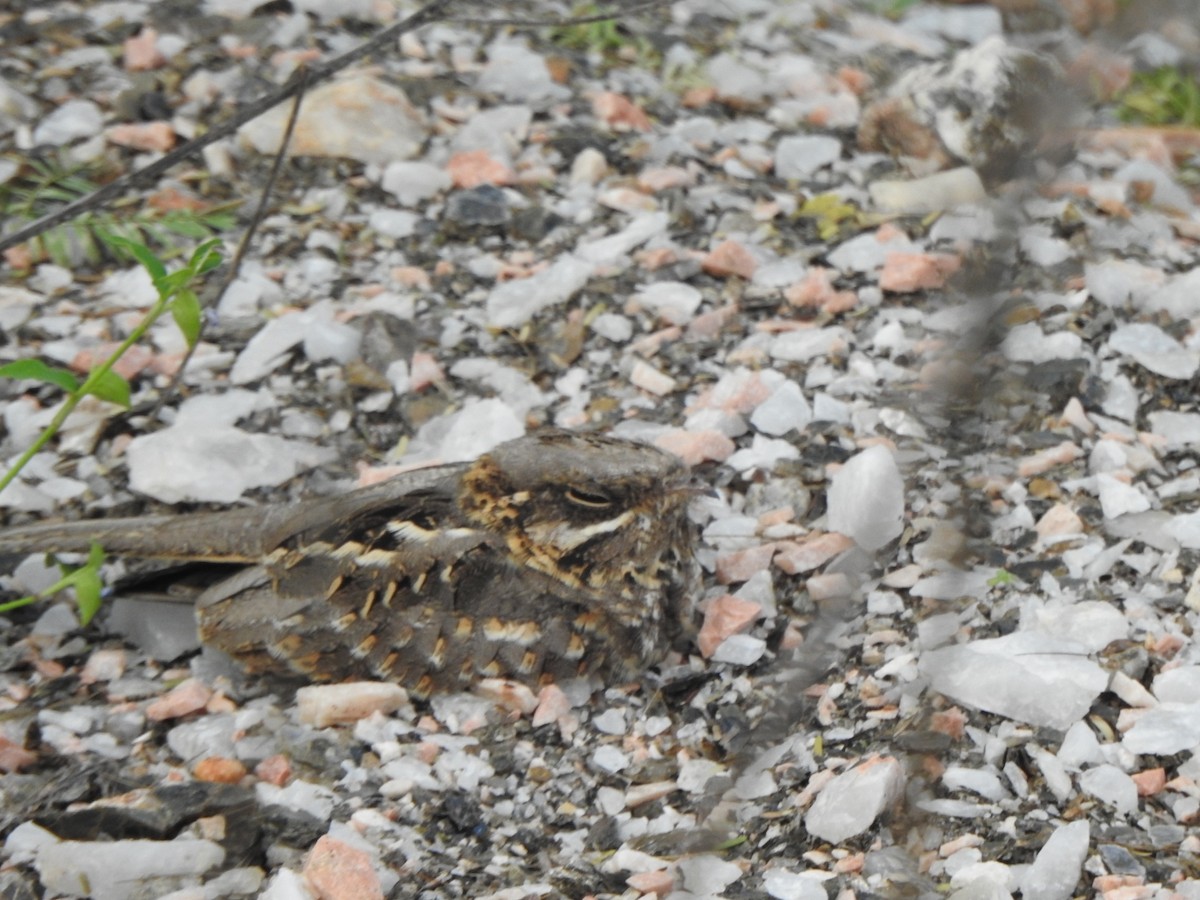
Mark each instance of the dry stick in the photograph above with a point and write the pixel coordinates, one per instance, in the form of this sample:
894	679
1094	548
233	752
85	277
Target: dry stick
239	255
295	85
557	23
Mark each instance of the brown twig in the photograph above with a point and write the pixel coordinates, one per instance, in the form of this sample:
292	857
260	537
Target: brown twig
235	264
560	22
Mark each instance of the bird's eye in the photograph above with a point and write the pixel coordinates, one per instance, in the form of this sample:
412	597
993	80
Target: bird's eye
591	498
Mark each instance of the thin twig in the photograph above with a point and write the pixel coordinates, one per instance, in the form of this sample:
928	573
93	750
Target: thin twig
235	264
318	73
567	22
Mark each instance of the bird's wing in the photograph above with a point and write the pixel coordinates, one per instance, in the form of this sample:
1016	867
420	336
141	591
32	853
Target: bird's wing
436	615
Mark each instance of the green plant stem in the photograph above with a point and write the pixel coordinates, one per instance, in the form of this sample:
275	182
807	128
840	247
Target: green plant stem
75	397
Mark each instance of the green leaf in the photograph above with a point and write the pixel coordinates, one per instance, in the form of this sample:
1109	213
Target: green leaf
111	387
142	254
1002	577
220	221
185	226
206	257
185	309
37	370
89	589
174	282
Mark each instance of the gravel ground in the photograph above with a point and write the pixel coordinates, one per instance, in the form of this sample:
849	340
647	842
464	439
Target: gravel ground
902	288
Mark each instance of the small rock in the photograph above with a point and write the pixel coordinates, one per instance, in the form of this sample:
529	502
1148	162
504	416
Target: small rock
799	156
672	301
74	119
812	552
331	704
340	872
650	379
785	410
185	698
849	803
730	258
219	769
514	303
1029	677
934	193
904	273
695	447
412	183
1154	349
116	870
158	137
510	695
608	758
357	116
1056	869
740	650
707	875
472	168
866	499
725	616
619	113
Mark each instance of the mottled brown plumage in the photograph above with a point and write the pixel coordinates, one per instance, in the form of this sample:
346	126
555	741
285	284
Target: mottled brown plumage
555	555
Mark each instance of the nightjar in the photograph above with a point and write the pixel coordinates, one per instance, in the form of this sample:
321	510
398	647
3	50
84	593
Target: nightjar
554	555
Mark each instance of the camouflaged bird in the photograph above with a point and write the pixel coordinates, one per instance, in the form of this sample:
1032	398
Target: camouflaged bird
554	555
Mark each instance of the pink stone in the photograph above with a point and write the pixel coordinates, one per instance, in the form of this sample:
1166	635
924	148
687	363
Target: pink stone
104	665
1150	781
471	168
627	200
322	705
660	883
815	291
811	552
425	371
14	757
904	273
639	794
411	276
1059	519
780	516
740	391
186	697
511	695
156	136
337	871
651	343
829	586
729	258
650	379
740	565
695	447
949	848
665	178
219	770
1044	460
141	52
619	113
130	365
709	324
276	770
656	258
553	706
726	615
